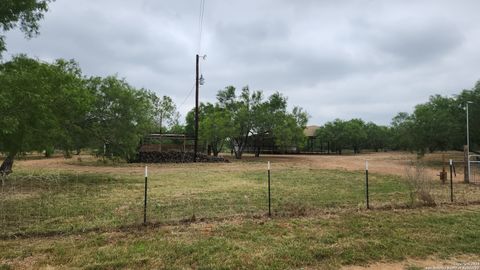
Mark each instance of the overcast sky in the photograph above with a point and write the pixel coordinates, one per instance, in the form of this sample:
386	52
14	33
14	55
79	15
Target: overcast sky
337	59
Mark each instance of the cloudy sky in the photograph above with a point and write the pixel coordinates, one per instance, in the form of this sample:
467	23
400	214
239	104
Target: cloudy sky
337	59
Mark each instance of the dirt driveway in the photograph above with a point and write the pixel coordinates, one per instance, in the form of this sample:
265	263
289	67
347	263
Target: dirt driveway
383	163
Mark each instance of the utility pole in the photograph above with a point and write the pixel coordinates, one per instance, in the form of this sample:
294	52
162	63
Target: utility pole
196	108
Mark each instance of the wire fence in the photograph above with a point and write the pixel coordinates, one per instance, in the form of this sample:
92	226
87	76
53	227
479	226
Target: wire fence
36	204
474	169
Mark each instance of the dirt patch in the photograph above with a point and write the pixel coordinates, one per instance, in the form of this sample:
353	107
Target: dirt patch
395	163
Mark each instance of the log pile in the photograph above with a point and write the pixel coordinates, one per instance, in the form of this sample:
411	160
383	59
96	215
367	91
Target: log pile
175	157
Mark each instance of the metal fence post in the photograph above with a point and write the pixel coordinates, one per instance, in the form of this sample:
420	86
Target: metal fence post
366	184
451	180
269	195
145	200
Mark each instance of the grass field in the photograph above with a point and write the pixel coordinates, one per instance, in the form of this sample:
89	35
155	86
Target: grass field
88	215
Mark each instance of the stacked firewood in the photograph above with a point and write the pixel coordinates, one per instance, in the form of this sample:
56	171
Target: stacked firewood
175	157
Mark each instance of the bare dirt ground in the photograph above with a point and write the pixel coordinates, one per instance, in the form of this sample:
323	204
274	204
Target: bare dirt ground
383	163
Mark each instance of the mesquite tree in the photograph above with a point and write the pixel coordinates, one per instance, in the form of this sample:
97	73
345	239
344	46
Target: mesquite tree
120	116
165	112
52	106
236	118
41	105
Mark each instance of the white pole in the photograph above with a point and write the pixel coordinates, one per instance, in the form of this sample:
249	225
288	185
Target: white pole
366	165
268	165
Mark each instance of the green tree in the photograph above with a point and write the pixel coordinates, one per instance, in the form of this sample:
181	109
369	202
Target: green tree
121	116
214	126
403	130
41	105
336	135
266	117
436	124
288	130
355	134
240	111
23	13
165	111
377	136
470	95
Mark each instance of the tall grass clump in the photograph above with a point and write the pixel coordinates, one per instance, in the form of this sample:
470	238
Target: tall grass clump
419	184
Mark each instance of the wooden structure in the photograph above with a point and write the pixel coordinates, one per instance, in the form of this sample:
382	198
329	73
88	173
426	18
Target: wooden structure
266	144
167	142
313	145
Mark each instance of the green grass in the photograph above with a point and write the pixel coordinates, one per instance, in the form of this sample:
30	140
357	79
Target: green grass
315	241
64	203
319	220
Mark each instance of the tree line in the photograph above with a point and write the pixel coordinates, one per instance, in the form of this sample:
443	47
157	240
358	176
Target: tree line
237	118
47	106
53	106
437	125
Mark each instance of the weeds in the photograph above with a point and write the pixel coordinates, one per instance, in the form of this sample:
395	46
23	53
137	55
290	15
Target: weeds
419	184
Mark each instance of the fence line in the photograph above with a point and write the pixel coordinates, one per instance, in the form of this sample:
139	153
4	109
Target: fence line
70	203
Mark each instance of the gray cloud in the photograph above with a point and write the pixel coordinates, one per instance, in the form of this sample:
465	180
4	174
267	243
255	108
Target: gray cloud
367	59
413	43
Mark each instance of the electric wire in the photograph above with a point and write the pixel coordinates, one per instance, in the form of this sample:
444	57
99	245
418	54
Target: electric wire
188	96
200	25
200	33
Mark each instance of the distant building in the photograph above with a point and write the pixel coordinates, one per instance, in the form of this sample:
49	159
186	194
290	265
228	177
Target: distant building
310	133
266	144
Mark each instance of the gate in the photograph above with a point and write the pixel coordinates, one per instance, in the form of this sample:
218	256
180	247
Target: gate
474	169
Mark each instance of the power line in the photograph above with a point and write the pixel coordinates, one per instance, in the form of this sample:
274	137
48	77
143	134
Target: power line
200	33
188	96
200	24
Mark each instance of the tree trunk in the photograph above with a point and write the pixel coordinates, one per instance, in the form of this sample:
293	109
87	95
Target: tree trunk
240	147
216	150
209	150
7	165
67	154
237	149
